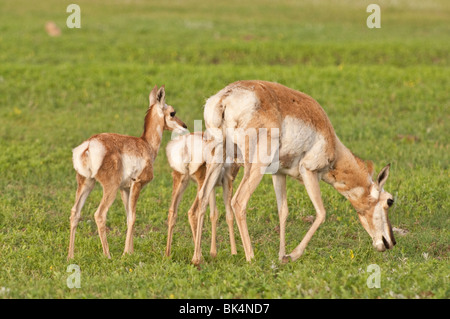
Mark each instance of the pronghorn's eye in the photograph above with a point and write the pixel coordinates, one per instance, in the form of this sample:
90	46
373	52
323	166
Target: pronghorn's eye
390	202
172	114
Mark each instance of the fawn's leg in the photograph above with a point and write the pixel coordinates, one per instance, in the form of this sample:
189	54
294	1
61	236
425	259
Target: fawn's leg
85	186
227	195
213	215
109	194
180	183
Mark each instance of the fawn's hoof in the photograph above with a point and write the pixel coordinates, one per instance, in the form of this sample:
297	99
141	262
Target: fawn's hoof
196	261
285	259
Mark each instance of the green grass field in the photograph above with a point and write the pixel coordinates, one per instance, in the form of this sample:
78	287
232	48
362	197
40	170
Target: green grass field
385	90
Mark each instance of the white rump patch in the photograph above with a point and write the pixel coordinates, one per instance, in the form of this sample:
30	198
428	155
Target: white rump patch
78	163
88	158
213	110
239	105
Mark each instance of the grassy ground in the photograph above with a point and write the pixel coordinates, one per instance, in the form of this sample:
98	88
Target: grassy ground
385	91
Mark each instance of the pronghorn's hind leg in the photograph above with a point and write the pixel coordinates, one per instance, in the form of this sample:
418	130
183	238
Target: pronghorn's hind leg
180	182
213	215
252	176
227	195
311	181
85	186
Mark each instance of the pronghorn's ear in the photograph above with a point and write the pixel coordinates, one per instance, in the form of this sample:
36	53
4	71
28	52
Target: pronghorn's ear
382	177
161	97
152	96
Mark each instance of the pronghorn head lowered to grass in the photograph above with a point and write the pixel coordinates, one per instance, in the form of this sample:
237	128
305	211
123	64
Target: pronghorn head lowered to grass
368	197
303	145
120	162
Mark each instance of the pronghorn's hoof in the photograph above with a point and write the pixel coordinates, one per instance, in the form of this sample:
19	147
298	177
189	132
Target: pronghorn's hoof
213	254
196	261
285	259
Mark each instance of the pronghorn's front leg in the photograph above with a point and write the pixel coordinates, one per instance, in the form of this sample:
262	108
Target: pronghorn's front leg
135	190
125	195
279	184
311	181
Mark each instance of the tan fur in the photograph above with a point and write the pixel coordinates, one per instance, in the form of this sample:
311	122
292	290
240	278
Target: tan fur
126	165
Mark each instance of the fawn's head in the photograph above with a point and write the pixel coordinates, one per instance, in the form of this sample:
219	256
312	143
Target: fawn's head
163	112
374	216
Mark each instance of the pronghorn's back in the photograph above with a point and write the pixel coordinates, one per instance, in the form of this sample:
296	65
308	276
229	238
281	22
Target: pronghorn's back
128	154
305	129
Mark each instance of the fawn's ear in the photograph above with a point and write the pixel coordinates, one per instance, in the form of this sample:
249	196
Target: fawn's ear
161	97
382	177
152	96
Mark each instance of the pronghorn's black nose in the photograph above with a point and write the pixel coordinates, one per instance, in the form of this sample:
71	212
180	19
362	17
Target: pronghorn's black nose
386	244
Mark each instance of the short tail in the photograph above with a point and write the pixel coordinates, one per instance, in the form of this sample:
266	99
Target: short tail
88	158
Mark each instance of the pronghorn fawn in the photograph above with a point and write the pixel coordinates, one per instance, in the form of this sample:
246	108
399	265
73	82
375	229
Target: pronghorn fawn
121	162
306	148
187	157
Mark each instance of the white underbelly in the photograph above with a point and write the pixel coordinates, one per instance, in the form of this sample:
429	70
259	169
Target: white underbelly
300	144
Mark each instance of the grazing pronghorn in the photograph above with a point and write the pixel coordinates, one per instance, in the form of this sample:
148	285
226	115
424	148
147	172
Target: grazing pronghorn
187	158
309	151
121	162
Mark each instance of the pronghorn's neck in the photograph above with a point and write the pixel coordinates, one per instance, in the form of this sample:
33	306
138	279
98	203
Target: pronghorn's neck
153	129
351	176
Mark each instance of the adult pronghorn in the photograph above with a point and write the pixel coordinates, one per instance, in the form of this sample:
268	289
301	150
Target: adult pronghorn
121	162
187	156
308	150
